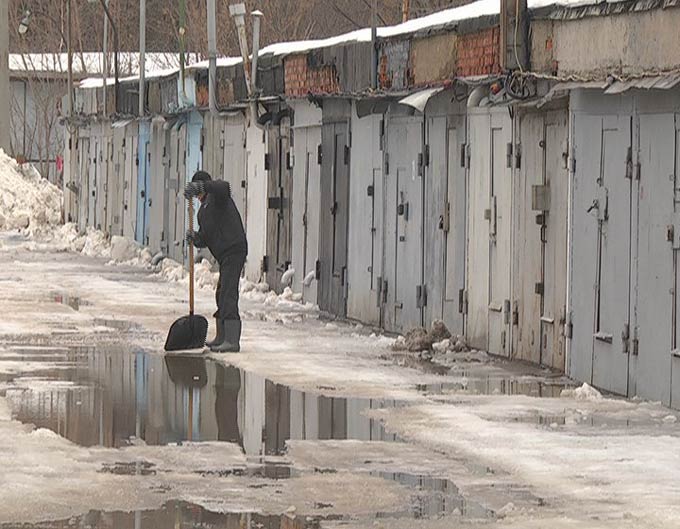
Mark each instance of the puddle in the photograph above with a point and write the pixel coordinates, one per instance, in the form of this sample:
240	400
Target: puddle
500	385
119	325
177	515
435	497
70	301
115	396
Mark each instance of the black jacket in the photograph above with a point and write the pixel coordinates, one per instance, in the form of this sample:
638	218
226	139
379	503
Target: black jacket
220	225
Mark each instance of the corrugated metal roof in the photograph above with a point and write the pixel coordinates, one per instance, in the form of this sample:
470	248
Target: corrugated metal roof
657	82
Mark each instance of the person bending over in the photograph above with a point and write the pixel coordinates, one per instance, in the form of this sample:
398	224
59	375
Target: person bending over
221	231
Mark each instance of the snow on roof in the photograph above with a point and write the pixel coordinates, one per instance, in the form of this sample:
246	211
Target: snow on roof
474	10
222	62
91	63
98	82
446	17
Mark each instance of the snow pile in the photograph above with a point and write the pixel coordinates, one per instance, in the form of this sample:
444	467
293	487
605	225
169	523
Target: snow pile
586	393
204	276
254	291
438	338
27	201
123	249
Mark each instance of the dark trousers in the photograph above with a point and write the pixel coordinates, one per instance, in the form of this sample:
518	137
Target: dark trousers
228	287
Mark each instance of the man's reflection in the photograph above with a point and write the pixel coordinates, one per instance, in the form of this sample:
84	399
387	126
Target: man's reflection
189	373
227	387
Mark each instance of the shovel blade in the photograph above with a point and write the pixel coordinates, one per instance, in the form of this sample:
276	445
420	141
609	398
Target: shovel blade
186	333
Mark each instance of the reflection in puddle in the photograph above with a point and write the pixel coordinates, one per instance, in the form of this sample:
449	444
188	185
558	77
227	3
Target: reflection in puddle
116	396
501	385
177	515
436	497
70	301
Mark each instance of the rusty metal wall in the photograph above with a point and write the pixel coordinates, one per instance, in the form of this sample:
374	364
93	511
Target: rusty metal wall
394	65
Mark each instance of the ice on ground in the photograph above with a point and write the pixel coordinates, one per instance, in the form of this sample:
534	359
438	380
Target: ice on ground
27	201
584	393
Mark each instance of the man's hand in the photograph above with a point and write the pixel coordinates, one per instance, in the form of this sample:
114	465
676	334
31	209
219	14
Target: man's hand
194	189
191	237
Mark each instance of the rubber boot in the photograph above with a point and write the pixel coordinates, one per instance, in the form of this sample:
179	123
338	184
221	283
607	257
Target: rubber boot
219	333
232	338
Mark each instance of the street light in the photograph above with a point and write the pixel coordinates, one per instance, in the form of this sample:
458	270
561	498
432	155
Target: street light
23	25
23	29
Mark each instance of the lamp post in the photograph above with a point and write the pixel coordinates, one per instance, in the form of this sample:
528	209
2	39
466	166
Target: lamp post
24	26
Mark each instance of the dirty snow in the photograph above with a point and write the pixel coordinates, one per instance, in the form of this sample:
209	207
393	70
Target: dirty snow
27	201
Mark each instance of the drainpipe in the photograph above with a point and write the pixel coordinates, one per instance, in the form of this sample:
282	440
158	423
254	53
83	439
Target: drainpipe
142	55
69	60
257	19
374	44
182	45
212	57
105	62
116	45
254	113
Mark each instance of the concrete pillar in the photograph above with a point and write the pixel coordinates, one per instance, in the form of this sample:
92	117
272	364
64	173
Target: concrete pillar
4	76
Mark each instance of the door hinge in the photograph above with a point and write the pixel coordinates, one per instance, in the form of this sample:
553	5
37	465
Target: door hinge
380	289
568	327
508	155
387	163
267	162
319	154
506	312
463	154
518	156
265	264
462	301
625	338
636	342
421	296
539	289
629	163
515	313
317	271
445	223
346	155
370	191
385	288
382	134
638	171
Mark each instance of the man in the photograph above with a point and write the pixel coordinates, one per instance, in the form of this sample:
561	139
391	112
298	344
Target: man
221	231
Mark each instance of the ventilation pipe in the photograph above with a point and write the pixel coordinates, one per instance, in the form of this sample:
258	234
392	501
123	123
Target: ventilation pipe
238	13
257	19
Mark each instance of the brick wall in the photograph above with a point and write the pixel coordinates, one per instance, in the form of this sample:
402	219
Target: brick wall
301	79
478	53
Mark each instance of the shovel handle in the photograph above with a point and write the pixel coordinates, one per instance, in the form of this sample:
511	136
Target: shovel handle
191	258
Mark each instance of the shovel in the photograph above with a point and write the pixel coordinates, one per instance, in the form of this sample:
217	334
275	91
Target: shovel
189	332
